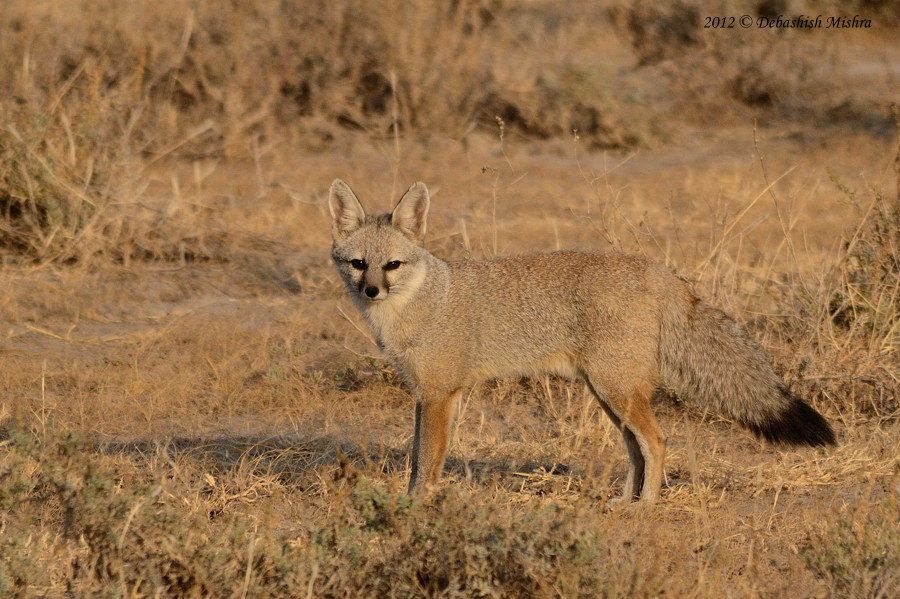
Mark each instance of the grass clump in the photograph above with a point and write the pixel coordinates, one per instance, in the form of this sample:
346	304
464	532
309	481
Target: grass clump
858	556
868	293
446	545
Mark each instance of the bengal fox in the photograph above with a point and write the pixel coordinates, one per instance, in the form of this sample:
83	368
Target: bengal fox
621	323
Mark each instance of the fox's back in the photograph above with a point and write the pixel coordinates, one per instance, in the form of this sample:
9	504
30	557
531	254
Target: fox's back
513	315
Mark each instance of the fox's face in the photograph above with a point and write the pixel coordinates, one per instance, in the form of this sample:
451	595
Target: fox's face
379	257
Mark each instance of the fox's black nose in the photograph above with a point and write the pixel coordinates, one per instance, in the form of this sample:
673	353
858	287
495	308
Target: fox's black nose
371	291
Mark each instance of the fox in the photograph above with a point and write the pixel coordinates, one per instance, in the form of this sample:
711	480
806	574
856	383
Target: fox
621	323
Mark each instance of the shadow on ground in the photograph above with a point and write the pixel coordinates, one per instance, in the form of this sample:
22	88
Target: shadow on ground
296	458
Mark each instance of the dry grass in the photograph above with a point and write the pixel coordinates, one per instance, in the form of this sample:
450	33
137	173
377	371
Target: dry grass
191	406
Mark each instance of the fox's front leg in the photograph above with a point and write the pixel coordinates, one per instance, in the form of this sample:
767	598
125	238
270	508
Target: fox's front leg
434	416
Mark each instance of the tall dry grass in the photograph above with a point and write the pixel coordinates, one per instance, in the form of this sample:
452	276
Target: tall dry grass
101	95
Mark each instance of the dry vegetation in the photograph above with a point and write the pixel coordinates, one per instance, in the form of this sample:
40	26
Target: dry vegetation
190	406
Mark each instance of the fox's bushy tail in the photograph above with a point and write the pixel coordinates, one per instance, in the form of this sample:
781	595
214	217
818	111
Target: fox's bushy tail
707	357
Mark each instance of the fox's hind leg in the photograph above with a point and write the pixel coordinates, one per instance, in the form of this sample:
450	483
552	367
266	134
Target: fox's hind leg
630	412
641	422
634	480
431	438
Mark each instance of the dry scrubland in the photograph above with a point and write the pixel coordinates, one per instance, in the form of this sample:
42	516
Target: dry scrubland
191	406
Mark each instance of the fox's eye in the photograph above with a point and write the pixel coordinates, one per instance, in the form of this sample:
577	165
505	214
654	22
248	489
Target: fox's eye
358	264
392	265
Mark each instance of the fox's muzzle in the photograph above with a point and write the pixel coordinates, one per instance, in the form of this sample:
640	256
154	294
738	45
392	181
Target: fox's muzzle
371	287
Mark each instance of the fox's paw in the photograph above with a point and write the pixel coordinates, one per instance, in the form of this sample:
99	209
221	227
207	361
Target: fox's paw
627	502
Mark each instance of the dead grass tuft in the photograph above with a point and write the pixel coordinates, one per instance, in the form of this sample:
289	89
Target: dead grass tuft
858	554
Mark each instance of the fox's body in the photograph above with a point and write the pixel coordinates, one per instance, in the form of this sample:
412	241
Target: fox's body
621	323
512	317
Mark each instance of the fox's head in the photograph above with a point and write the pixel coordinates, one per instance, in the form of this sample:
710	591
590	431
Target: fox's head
380	258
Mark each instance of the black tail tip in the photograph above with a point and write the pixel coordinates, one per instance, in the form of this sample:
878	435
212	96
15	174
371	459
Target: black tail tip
798	424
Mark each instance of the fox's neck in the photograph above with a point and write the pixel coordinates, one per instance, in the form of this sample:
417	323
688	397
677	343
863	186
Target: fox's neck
398	320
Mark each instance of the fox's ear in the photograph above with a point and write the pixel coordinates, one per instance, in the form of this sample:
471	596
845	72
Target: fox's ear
410	213
347	214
